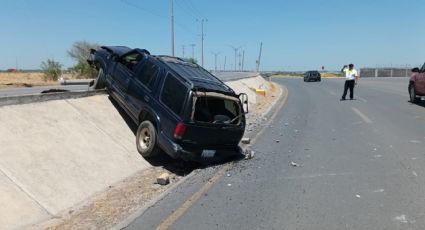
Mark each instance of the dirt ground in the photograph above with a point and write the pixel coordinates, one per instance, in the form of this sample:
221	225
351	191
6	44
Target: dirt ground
19	79
109	207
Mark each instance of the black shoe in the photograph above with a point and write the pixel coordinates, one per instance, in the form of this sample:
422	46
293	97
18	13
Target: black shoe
342	99
351	98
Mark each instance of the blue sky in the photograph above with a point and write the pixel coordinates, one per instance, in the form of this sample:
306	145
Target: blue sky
296	34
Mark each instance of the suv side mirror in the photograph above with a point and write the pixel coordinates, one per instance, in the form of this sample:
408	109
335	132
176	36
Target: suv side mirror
244	99
415	70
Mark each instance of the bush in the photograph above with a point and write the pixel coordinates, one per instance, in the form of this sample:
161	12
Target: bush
51	69
83	70
80	52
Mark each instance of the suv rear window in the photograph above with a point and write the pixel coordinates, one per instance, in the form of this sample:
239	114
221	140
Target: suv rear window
216	110
174	94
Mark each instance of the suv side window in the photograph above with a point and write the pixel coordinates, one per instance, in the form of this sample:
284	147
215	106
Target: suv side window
131	60
174	94
148	74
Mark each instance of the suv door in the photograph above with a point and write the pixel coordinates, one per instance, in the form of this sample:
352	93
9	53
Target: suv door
123	72
141	88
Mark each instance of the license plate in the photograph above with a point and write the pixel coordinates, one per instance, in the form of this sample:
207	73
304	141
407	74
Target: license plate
208	153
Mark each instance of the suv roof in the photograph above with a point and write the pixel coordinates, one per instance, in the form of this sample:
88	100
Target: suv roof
196	76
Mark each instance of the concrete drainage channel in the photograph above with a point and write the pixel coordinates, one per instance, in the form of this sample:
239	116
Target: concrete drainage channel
73	161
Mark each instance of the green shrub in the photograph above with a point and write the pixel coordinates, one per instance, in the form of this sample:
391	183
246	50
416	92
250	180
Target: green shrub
51	69
83	70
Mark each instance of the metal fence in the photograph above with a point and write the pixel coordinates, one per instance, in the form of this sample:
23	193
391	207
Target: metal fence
385	72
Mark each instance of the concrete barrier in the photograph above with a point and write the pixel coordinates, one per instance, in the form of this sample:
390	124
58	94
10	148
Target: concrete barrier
55	154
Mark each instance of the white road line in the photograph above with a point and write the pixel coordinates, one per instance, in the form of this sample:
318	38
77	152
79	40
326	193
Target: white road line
364	117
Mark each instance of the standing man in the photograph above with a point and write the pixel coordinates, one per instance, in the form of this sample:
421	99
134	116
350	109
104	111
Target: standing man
351	78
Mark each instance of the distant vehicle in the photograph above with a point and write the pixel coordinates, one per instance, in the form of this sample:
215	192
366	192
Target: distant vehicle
179	107
312	76
417	84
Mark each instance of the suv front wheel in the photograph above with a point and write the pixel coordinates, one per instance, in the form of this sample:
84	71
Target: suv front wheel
412	94
146	140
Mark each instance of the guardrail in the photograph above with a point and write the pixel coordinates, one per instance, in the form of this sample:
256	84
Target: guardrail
385	72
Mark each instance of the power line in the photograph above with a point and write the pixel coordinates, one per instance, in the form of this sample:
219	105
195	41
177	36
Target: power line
186	10
193	8
154	13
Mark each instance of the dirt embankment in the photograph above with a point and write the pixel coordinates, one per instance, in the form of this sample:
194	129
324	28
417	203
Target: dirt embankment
19	79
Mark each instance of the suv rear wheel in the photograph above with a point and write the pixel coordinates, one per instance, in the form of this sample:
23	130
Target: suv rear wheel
146	140
412	93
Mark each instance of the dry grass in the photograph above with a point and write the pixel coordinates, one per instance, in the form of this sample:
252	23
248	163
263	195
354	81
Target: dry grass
14	80
330	75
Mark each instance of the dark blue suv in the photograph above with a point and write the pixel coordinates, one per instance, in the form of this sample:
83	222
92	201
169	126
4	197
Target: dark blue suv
179	107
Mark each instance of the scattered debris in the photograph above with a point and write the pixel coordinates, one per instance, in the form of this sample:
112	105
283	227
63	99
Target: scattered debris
358	196
415	142
293	164
403	219
246	140
229	185
379	190
377	156
163	179
414	173
228	174
249	154
277	141
286	124
375	149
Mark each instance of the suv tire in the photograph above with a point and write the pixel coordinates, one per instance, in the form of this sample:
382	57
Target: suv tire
99	82
412	94
146	140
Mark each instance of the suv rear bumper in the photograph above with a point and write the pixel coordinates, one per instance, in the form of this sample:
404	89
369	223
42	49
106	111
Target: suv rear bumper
175	150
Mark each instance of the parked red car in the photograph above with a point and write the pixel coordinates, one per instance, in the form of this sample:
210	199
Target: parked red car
417	84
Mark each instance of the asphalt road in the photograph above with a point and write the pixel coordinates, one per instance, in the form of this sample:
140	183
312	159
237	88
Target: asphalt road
359	165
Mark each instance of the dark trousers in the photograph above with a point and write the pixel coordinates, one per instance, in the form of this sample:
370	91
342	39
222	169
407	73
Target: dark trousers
349	84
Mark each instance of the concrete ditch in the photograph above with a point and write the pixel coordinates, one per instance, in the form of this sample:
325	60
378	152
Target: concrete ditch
57	155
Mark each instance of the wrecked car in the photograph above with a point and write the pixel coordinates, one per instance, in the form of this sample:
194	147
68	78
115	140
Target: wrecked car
179	107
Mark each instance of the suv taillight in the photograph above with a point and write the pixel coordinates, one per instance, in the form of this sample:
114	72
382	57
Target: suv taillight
179	131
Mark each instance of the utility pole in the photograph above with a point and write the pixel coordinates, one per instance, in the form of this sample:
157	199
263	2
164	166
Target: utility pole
193	51
259	57
202	39
172	27
225	59
183	50
215	60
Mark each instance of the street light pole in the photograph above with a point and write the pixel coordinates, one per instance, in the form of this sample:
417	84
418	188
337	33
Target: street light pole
215	60
193	51
236	54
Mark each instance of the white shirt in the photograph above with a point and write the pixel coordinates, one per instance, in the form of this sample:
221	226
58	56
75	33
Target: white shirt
350	74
